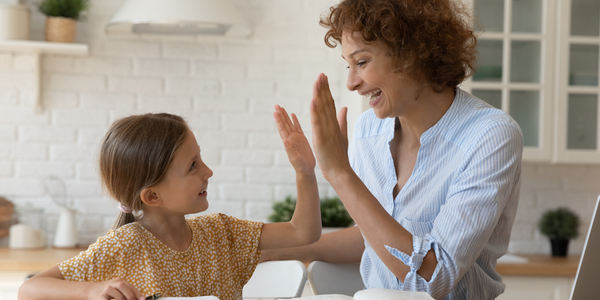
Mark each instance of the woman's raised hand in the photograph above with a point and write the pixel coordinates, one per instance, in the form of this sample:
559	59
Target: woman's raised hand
330	135
296	145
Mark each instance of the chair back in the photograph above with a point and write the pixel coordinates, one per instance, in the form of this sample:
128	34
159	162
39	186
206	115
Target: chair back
328	278
276	279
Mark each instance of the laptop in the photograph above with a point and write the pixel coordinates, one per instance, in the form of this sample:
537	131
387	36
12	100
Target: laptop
587	280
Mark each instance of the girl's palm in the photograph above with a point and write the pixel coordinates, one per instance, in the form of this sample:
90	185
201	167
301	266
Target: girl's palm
296	145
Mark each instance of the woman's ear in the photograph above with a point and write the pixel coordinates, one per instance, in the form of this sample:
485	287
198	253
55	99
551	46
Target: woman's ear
149	197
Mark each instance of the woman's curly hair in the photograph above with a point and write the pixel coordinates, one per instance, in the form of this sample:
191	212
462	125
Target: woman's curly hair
429	40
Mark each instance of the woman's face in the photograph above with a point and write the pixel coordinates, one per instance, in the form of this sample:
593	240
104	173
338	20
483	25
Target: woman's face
371	74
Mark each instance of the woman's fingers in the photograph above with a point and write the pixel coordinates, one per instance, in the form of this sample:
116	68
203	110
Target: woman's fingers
343	122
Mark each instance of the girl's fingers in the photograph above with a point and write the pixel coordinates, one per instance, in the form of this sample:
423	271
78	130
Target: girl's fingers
280	127
290	125
297	124
286	119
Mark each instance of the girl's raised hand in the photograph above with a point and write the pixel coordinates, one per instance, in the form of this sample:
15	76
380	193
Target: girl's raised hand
296	145
330	134
118	289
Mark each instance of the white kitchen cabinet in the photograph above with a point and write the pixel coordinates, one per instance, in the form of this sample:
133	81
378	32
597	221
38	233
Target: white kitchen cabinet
538	61
538	287
515	66
577	108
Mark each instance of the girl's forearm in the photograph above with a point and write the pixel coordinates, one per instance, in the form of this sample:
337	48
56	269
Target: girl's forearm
52	288
306	220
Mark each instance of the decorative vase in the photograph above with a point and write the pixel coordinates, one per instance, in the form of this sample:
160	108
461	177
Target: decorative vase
14	22
60	30
560	247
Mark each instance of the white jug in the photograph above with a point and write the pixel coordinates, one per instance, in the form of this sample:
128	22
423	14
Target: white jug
66	231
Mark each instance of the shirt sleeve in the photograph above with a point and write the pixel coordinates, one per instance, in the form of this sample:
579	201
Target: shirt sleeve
96	264
475	202
245	237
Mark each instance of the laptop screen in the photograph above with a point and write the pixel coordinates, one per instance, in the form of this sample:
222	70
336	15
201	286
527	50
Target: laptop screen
587	283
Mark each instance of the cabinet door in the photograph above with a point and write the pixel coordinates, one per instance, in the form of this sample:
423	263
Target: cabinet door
577	108
515	66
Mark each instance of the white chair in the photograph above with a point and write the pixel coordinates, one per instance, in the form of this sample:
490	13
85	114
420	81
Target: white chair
276	279
328	278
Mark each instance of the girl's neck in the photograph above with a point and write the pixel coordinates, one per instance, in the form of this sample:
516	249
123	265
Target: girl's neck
174	232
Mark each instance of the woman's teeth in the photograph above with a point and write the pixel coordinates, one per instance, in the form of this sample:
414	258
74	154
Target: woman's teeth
372	95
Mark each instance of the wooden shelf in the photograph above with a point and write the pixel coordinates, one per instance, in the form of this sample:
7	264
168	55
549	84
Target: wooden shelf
39	48
44	47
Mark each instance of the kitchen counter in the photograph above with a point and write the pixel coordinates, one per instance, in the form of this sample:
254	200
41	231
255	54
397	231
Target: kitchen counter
12	260
541	265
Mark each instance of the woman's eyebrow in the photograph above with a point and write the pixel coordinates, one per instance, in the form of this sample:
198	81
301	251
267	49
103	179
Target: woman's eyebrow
354	53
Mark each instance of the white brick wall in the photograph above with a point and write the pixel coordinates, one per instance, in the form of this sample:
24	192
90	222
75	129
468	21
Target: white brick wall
226	89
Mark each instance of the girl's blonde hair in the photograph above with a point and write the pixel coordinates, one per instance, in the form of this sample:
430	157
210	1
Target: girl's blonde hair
135	154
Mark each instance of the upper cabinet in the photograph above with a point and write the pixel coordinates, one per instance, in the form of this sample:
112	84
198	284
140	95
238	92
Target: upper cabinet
538	61
515	68
577	108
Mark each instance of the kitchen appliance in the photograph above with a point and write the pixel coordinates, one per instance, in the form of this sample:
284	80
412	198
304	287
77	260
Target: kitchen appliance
14	22
219	17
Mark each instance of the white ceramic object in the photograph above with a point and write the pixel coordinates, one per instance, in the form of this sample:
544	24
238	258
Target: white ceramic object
22	236
14	22
67	228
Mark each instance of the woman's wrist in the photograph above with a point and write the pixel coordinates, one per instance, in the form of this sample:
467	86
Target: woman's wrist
340	176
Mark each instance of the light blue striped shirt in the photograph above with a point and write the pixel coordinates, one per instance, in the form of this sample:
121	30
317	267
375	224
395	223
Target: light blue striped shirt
460	200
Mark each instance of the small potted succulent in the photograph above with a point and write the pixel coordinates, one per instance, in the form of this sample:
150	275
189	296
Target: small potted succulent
559	225
333	213
61	18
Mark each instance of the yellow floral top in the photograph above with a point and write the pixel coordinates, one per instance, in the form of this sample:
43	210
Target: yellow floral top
219	262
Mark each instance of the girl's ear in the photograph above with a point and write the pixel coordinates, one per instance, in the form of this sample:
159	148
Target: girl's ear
149	197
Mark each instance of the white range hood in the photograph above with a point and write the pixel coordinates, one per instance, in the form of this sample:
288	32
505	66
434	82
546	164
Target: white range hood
217	17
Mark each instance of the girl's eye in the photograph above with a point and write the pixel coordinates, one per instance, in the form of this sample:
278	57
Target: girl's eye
193	166
361	63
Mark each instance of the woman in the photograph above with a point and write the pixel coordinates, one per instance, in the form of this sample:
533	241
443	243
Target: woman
432	175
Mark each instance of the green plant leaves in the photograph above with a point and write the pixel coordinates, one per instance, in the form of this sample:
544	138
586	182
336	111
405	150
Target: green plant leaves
70	9
333	212
559	223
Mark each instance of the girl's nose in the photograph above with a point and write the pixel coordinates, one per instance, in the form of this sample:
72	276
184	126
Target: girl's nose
208	173
353	80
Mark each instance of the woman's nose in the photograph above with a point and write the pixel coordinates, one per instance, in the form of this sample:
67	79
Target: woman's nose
353	80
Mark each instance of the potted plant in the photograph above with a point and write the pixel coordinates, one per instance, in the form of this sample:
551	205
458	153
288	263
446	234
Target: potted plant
560	225
333	212
61	18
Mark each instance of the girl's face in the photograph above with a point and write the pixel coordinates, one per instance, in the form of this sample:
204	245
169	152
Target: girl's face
371	74
183	190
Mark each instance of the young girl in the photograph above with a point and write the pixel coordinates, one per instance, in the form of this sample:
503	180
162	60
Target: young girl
151	165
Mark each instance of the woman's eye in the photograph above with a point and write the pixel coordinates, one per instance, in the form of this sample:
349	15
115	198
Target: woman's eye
361	63
193	166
